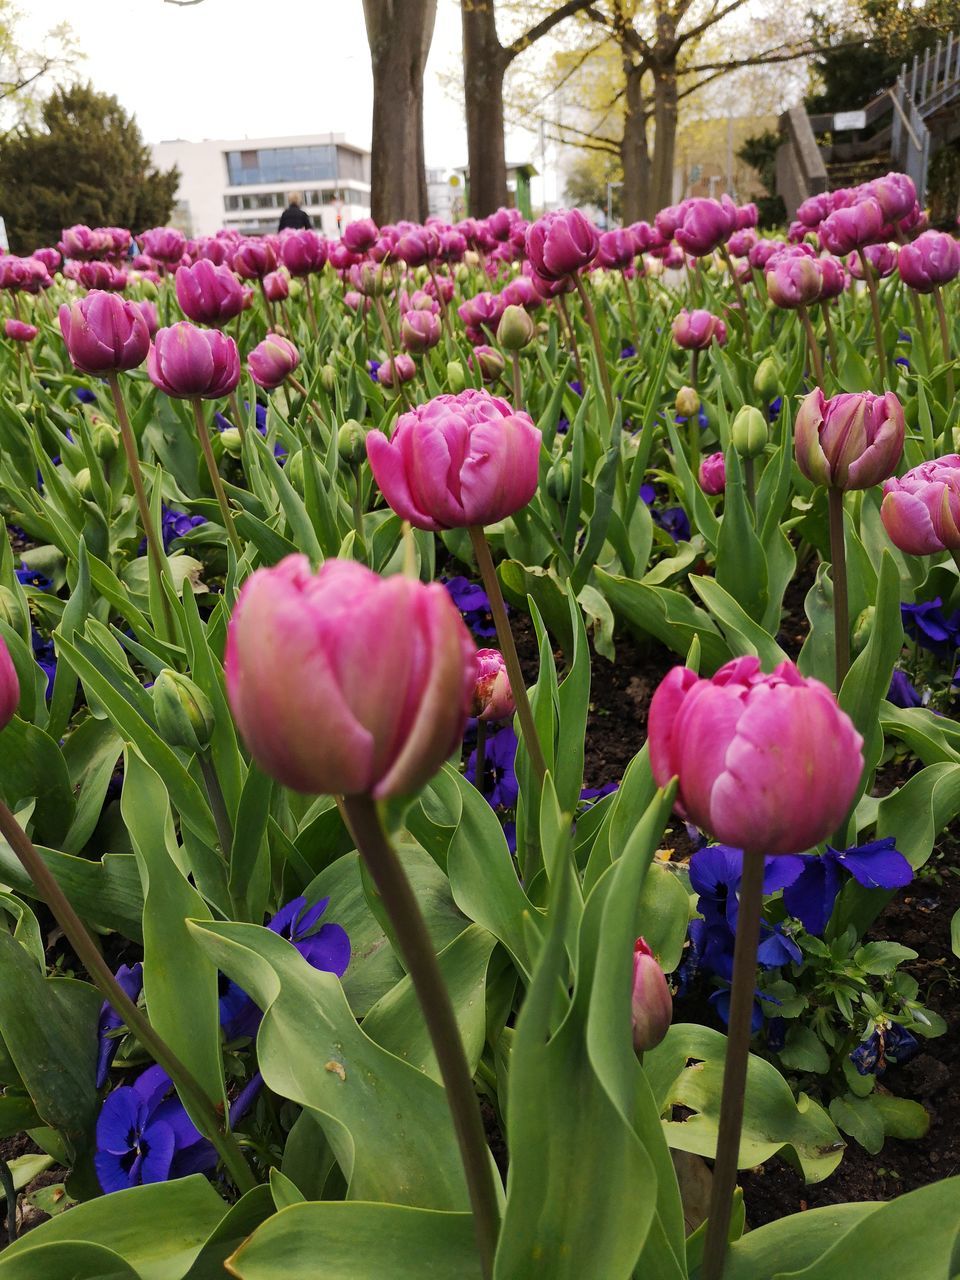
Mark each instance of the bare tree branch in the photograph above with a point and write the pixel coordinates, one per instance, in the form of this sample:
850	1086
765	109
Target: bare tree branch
541	28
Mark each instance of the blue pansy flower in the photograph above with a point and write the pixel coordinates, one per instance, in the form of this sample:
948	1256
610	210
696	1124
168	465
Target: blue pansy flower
889	1042
590	795
901	692
721	1002
773	409
675	521
373	367
628	352
811	896
930	628
500	778
474	604
563	425
28	577
576	386
130	978
85	395
45	656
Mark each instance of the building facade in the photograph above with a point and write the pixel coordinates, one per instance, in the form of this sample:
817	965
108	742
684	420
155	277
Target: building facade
245	183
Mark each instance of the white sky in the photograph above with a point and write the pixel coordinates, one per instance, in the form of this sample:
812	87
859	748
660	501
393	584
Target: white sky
235	68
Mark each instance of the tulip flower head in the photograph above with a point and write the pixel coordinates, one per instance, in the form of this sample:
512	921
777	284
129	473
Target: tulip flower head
651	1002
793	281
851	441
492	697
713	474
187	362
19	330
459	460
386	665
9	686
103	333
695	330
921	509
767	763
208	294
562	243
933	259
272	360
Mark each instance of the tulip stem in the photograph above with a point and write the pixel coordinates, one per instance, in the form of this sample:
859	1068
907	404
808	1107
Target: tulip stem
234	404
750	484
518	688
311	314
828	329
218	804
814	346
271	318
591	317
391	350
358	507
572	334
480	763
693	422
215	479
838	554
154	545
444	309
202	1109
632	309
419	957
944	340
918	320
735	1066
875	308
741	300
517	380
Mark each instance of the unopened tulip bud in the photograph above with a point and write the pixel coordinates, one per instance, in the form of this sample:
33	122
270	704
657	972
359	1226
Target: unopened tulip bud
492	698
768	378
462	272
294	471
749	432
9	687
488	361
559	478
456	378
687	402
83	483
516	329
713	474
651	1002
232	441
183	712
863	628
328	379
106	440
352	443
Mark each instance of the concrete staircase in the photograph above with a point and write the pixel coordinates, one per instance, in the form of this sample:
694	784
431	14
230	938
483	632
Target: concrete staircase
924	111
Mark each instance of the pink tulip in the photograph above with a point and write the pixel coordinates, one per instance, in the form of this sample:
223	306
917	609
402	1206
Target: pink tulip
748	215
931	260
833	278
521	293
361	235
667	221
895	194
164	243
705	225
148	310
814	209
852	441
418	246
339	256
741	242
420	330
304	252
562	243
481	311
355	301
452	246
492	697
852	227
713	474
104	334
272	360
19	330
276	287
395	372
695	330
761	253
102	275
882	258
50	258
254	259
468	459
208	294
9	686
187	362
488	360
651	1001
214	250
921	509
793	281
81	242
767	763
384	665
617	250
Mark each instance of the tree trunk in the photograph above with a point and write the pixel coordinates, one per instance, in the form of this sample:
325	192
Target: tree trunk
634	153
665	137
484	65
399	33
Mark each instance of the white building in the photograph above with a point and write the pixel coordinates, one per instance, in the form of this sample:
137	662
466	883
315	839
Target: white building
244	183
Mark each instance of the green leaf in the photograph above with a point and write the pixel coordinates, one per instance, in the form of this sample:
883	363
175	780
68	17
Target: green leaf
105	894
231	1231
801	1237
388	1123
355	1241
69	1260
804	1051
882	957
666	614
179	979
157	1229
741	563
743	635
902	1117
32	767
860	1119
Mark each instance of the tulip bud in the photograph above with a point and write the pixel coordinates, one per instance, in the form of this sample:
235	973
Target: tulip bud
328	379
652	1004
768	378
232	441
294	471
82	483
516	329
11	611
863	629
183	712
687	402
462	272
488	361
749	432
492	697
351	443
106	440
456	378
559	478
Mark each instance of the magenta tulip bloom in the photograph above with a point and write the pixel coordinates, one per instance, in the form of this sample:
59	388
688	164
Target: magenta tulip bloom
695	330
521	293
104	334
272	360
361	235
895	194
833	278
384	666
617	250
418	246
562	243
748	215
461	460
102	275
881	257
50	258
852	227
793	280
741	242
393	373
452	246
651	1001
208	294
482	311
420	330
187	362
254	259
166	244
276	287
19	330
9	686
851	441
921	509
814	209
492	696
761	253
304	252
713	474
705	225
933	259
82	242
767	763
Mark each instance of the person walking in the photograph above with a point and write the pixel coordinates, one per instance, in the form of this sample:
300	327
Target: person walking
293	216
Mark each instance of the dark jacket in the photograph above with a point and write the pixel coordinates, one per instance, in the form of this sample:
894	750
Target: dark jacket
295	217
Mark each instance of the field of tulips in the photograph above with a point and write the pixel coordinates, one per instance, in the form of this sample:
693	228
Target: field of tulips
479	746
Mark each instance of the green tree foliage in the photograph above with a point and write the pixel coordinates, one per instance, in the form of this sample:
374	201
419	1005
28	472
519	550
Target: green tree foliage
760	152
84	161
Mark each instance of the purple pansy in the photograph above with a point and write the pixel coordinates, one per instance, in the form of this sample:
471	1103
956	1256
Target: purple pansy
901	692
810	897
130	978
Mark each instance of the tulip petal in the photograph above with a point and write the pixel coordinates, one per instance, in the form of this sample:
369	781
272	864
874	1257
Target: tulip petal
387	465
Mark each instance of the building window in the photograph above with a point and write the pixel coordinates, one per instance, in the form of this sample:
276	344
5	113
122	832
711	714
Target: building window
288	165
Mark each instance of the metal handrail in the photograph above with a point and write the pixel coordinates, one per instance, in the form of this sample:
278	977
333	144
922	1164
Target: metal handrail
903	117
